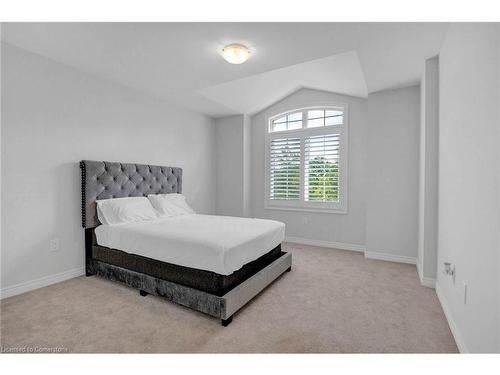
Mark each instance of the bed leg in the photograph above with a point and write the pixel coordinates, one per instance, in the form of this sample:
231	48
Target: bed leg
289	269
143	293
89	268
226	322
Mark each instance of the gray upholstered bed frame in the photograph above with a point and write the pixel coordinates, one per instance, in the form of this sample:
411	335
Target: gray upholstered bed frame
105	180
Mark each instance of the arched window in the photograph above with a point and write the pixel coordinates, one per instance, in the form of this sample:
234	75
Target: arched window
306	159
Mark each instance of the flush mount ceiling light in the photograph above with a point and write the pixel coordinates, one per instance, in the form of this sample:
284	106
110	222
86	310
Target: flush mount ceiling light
235	53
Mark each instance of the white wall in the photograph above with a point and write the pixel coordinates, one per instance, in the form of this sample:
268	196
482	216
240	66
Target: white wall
421	176
54	116
230	194
498	168
469	184
392	173
342	228
1	227
428	176
233	161
247	164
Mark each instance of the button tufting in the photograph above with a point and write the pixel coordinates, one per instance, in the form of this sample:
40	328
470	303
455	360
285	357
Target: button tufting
125	180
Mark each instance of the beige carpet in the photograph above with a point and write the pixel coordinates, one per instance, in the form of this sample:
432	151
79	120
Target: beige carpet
332	301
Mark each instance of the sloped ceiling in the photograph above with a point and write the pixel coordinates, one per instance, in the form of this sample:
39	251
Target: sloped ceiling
181	63
338	73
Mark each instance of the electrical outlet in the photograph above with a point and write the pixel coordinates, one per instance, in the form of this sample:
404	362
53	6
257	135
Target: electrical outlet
449	269
54	244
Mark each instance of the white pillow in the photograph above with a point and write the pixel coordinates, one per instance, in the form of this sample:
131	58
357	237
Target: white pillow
125	210
170	204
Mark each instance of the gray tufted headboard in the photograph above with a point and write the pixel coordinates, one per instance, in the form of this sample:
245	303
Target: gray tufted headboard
105	180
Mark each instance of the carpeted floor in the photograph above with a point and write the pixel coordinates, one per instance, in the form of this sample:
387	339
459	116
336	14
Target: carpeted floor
332	302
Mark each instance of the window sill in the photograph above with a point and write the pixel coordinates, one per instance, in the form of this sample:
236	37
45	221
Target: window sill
341	211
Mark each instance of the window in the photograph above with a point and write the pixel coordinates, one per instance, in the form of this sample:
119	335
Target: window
285	168
306	160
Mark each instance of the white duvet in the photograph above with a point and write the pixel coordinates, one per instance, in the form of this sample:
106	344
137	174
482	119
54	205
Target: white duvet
222	244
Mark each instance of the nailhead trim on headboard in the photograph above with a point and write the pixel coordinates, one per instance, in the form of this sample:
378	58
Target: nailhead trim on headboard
82	169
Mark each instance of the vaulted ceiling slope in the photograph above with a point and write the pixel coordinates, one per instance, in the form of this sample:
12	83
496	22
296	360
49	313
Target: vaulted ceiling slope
180	62
339	73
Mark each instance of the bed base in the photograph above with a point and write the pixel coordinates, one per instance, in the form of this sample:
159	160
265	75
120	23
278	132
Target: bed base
219	307
104	180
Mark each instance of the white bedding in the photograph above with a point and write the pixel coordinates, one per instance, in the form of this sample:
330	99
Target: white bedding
222	244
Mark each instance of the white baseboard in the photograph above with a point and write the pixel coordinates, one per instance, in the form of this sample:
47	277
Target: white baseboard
451	322
352	247
390	257
329	244
27	286
428	282
419	271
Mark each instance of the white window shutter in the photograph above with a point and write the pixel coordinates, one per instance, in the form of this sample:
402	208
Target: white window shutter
321	168
284	167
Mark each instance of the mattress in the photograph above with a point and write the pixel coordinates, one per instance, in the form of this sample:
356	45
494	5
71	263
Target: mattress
219	244
206	281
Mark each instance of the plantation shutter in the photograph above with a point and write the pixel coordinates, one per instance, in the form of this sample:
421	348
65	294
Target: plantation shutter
285	169
321	168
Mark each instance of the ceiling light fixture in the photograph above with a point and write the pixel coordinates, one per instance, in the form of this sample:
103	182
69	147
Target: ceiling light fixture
235	53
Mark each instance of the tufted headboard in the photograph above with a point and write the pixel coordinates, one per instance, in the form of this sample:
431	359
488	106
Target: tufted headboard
105	180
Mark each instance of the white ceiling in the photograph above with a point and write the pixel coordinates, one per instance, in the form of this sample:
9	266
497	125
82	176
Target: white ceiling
338	73
180	62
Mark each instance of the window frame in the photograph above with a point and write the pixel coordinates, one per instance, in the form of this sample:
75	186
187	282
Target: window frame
339	207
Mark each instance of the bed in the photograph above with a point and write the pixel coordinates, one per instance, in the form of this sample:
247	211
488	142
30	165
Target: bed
212	264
